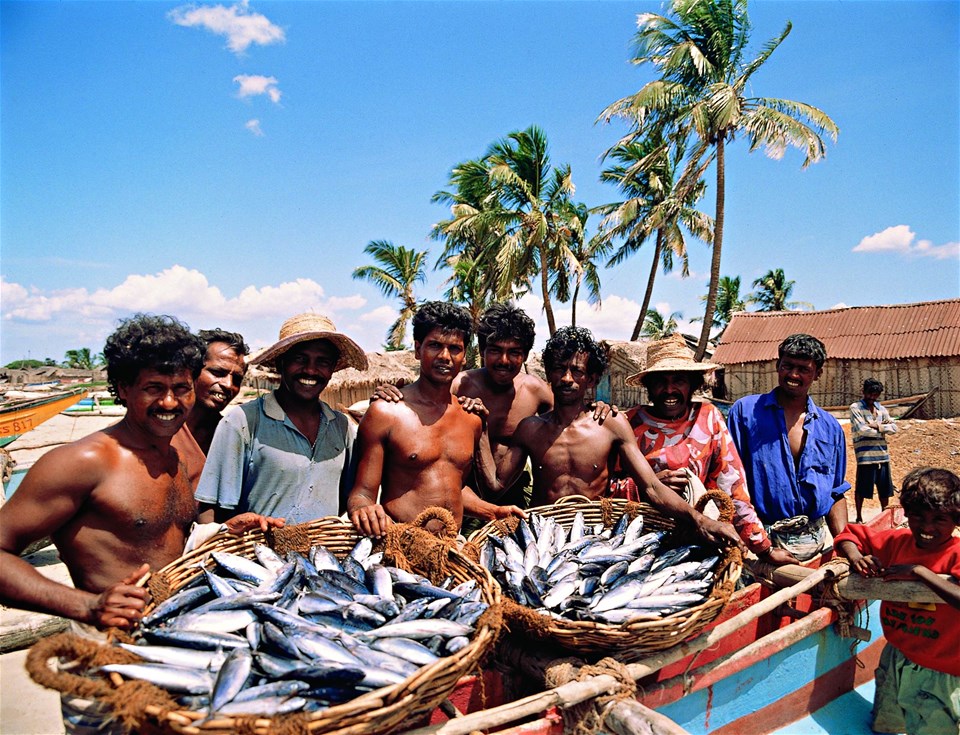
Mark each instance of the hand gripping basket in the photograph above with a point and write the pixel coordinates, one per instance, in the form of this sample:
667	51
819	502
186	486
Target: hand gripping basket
379	711
631	640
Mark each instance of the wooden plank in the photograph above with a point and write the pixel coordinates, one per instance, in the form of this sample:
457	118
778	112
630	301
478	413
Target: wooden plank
629	717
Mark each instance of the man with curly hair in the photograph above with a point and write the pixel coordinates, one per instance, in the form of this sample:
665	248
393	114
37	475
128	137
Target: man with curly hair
571	453
118	502
417	452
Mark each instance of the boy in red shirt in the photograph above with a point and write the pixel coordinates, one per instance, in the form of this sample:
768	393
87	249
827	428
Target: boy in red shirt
918	679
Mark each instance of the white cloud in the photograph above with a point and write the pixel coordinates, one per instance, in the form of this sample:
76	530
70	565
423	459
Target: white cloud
53	321
252	85
382	316
901	239
237	23
254	127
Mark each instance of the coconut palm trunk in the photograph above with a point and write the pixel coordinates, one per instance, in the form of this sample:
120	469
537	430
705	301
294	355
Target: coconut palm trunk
717	249
648	296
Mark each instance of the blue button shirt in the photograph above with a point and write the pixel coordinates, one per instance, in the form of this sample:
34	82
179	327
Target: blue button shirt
780	488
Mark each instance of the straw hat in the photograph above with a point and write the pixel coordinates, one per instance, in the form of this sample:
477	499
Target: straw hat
670	355
305	328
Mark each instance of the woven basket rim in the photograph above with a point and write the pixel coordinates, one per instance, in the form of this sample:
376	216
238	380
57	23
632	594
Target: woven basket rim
371	706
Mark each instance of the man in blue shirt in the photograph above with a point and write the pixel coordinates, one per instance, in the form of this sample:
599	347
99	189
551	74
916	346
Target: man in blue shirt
794	453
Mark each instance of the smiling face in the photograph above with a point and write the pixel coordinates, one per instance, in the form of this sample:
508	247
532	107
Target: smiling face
441	355
795	375
306	368
221	377
931	529
158	403
570	380
503	360
669	394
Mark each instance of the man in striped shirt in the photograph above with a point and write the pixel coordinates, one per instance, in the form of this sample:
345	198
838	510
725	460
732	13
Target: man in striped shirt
869	425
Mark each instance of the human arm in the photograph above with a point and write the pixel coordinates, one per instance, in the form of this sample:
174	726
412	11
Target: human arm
660	496
862	423
947	589
51	496
474	505
866	564
365	513
240	524
887	423
498	478
221	482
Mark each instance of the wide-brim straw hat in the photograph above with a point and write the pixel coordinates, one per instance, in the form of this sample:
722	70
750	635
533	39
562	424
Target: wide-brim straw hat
670	355
307	327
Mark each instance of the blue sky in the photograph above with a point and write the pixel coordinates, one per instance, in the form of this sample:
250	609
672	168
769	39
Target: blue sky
227	163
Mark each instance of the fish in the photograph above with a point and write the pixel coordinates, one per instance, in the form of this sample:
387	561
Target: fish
596	573
310	629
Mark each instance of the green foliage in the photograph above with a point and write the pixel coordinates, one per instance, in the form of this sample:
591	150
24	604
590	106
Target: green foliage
397	271
701	100
773	292
657	326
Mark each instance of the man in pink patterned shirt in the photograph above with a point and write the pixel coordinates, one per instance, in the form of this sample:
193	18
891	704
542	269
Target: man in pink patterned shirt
680	437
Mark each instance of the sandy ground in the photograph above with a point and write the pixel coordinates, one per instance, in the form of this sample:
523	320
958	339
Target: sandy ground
29	709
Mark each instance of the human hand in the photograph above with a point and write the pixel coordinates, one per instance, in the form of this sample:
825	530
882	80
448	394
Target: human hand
370	520
244	522
868	566
778	557
723	534
475	406
387	392
120	605
602	411
676	480
505	511
900	572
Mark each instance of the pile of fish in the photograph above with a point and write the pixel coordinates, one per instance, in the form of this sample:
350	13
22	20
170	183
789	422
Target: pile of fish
599	575
276	635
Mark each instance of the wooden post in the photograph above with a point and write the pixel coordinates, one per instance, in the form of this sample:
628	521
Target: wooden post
629	717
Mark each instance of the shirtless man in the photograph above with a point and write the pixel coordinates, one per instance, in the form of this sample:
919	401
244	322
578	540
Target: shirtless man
420	450
216	386
794	453
572	454
117	502
505	337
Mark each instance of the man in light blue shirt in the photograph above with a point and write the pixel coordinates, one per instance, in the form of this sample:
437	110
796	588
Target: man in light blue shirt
793	453
287	453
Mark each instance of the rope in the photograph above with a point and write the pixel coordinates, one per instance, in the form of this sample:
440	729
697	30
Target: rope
586	718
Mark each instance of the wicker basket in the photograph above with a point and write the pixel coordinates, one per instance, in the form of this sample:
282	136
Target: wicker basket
378	711
631	640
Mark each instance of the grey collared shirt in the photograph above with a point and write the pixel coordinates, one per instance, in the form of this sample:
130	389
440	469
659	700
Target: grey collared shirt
260	462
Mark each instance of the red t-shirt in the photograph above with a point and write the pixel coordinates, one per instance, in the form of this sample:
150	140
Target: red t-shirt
928	635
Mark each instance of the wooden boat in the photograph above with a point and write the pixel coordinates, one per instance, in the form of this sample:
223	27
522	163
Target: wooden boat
19	416
899	408
771	659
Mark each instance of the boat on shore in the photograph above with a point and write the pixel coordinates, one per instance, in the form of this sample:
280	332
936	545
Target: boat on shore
773	657
21	414
899	408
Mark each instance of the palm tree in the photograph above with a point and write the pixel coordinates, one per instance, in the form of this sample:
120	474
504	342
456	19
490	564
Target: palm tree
702	96
729	301
578	269
534	219
657	326
773	292
398	269
470	237
646	173
79	359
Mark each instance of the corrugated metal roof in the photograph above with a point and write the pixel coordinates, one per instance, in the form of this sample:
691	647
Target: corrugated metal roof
899	331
